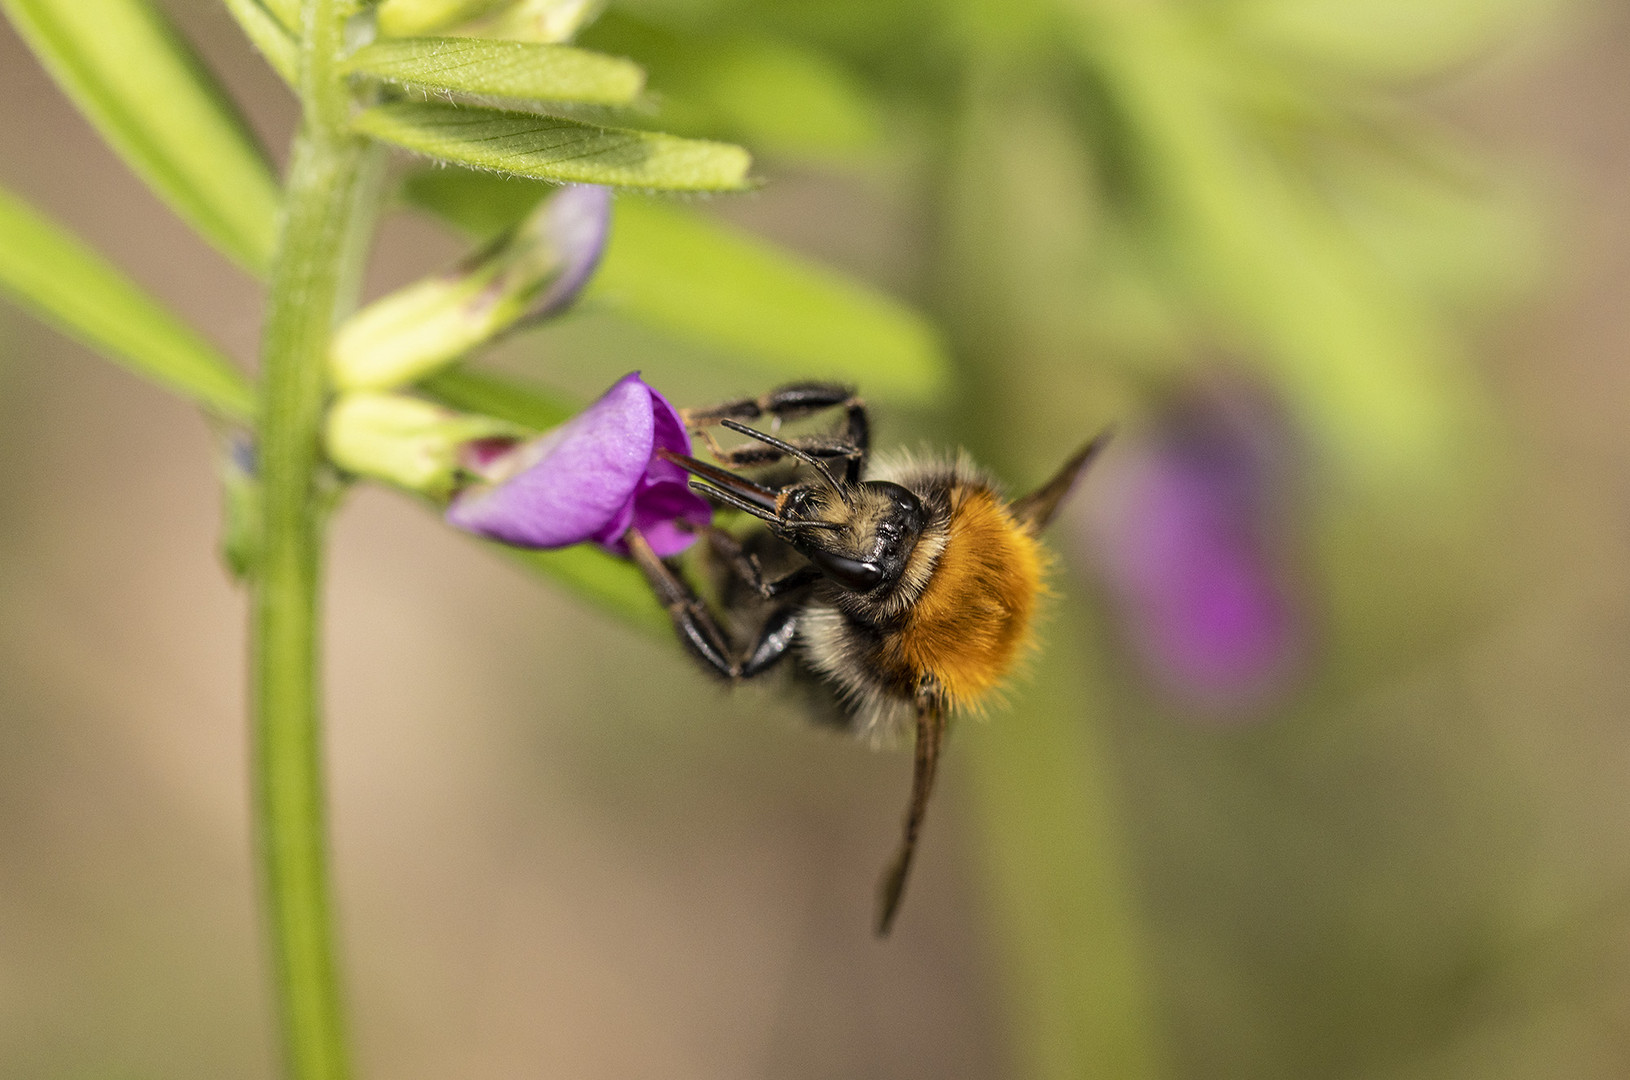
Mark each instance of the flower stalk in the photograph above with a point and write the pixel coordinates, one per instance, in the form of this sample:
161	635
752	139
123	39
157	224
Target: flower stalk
307	276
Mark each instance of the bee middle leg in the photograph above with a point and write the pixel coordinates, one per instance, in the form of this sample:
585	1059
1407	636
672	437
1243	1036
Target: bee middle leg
700	631
851	442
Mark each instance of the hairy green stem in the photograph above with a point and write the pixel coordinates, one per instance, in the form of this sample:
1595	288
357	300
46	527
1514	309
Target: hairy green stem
307	280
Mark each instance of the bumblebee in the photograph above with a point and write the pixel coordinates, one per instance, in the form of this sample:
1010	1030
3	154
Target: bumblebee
903	590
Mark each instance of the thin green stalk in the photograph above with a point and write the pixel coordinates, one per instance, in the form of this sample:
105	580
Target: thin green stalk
307	280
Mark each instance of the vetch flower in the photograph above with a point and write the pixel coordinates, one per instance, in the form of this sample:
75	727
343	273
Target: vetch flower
589	480
1188	537
529	273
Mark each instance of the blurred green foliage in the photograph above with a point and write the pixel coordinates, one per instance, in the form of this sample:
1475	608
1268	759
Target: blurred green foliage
1113	195
155	103
58	277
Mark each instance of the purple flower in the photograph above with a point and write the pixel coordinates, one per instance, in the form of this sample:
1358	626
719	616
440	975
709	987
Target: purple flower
1188	540
590	480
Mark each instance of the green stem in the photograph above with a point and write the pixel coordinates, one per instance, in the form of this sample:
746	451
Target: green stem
289	799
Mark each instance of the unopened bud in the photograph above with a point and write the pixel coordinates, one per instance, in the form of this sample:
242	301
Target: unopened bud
240	505
544	21
415	18
529	273
405	441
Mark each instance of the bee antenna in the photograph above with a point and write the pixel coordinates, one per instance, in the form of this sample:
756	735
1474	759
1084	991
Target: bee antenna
792	451
731	499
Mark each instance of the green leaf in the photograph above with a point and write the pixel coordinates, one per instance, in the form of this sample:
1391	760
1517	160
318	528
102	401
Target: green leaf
268	35
1368	368
783	98
502	69
550	148
1474	238
504	399
604	581
774	94
1387	40
52	273
286	12
681	272
152	99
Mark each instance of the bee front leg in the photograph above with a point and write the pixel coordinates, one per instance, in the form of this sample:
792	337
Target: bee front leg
697	629
747	569
700	631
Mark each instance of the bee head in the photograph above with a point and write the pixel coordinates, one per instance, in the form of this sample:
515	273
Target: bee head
859	536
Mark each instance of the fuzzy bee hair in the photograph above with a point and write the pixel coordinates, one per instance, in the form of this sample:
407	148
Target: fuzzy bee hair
960	615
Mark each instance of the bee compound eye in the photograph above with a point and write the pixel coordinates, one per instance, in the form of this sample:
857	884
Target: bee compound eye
850	573
905	515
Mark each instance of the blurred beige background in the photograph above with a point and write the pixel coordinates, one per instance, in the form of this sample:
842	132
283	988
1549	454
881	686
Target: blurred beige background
561	853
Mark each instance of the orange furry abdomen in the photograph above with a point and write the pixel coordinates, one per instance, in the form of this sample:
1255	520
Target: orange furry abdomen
973	618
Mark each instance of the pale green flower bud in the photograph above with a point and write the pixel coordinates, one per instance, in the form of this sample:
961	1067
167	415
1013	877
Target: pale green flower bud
530	272
415	18
545	21
405	441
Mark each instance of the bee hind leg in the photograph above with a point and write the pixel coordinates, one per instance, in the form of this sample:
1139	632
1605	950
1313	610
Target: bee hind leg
930	737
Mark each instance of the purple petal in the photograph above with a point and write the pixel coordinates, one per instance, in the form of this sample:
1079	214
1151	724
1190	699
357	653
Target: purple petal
577	222
1185	532
591	480
580	482
665	498
1201	592
659	511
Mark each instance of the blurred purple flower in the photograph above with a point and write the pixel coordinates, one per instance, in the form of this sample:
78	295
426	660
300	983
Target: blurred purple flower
577	221
1185	541
589	480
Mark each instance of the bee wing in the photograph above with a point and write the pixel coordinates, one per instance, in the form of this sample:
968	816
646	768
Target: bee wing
1036	509
930	736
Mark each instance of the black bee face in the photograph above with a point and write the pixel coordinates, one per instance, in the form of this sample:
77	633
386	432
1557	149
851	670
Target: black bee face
860	535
